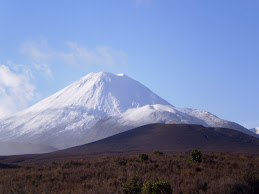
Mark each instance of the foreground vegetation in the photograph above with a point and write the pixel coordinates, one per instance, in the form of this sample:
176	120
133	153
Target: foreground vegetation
146	173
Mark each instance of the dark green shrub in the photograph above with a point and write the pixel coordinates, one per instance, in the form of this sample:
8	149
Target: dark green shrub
143	157
156	152
159	187
147	187
133	187
195	156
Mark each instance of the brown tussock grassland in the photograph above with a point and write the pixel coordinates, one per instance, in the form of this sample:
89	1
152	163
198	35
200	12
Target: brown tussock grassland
217	173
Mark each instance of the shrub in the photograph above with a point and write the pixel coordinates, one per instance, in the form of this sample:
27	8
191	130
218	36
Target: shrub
134	186
156	152
195	156
147	187
159	187
143	157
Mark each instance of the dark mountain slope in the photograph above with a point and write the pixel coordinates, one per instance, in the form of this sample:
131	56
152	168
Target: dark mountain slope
163	137
173	137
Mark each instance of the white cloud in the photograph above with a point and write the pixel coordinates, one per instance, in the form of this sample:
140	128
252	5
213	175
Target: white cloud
7	78
16	91
40	52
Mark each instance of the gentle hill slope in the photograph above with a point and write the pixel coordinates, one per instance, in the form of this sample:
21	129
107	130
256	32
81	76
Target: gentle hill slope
163	137
173	137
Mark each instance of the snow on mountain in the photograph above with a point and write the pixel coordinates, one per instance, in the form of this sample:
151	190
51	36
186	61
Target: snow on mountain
97	106
102	92
255	130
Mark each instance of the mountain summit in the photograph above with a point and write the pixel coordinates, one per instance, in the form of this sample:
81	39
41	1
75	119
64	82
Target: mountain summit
97	106
103	93
255	130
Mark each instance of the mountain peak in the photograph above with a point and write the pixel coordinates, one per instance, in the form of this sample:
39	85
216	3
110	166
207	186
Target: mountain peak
255	130
102	92
100	76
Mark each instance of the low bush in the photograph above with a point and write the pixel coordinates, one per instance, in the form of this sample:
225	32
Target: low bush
134	186
143	157
156	152
195	156
159	187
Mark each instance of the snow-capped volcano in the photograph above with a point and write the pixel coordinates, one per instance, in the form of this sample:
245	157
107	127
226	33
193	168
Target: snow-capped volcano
97	106
101	92
255	130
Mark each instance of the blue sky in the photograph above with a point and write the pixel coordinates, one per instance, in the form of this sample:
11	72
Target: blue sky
195	54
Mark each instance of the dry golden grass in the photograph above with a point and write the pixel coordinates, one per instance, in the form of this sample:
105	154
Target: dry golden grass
217	173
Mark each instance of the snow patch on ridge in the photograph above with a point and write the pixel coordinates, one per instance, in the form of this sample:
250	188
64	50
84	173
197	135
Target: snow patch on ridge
255	130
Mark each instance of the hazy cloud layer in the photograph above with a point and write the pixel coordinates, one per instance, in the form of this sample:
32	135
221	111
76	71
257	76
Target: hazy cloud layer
43	68
75	54
16	90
